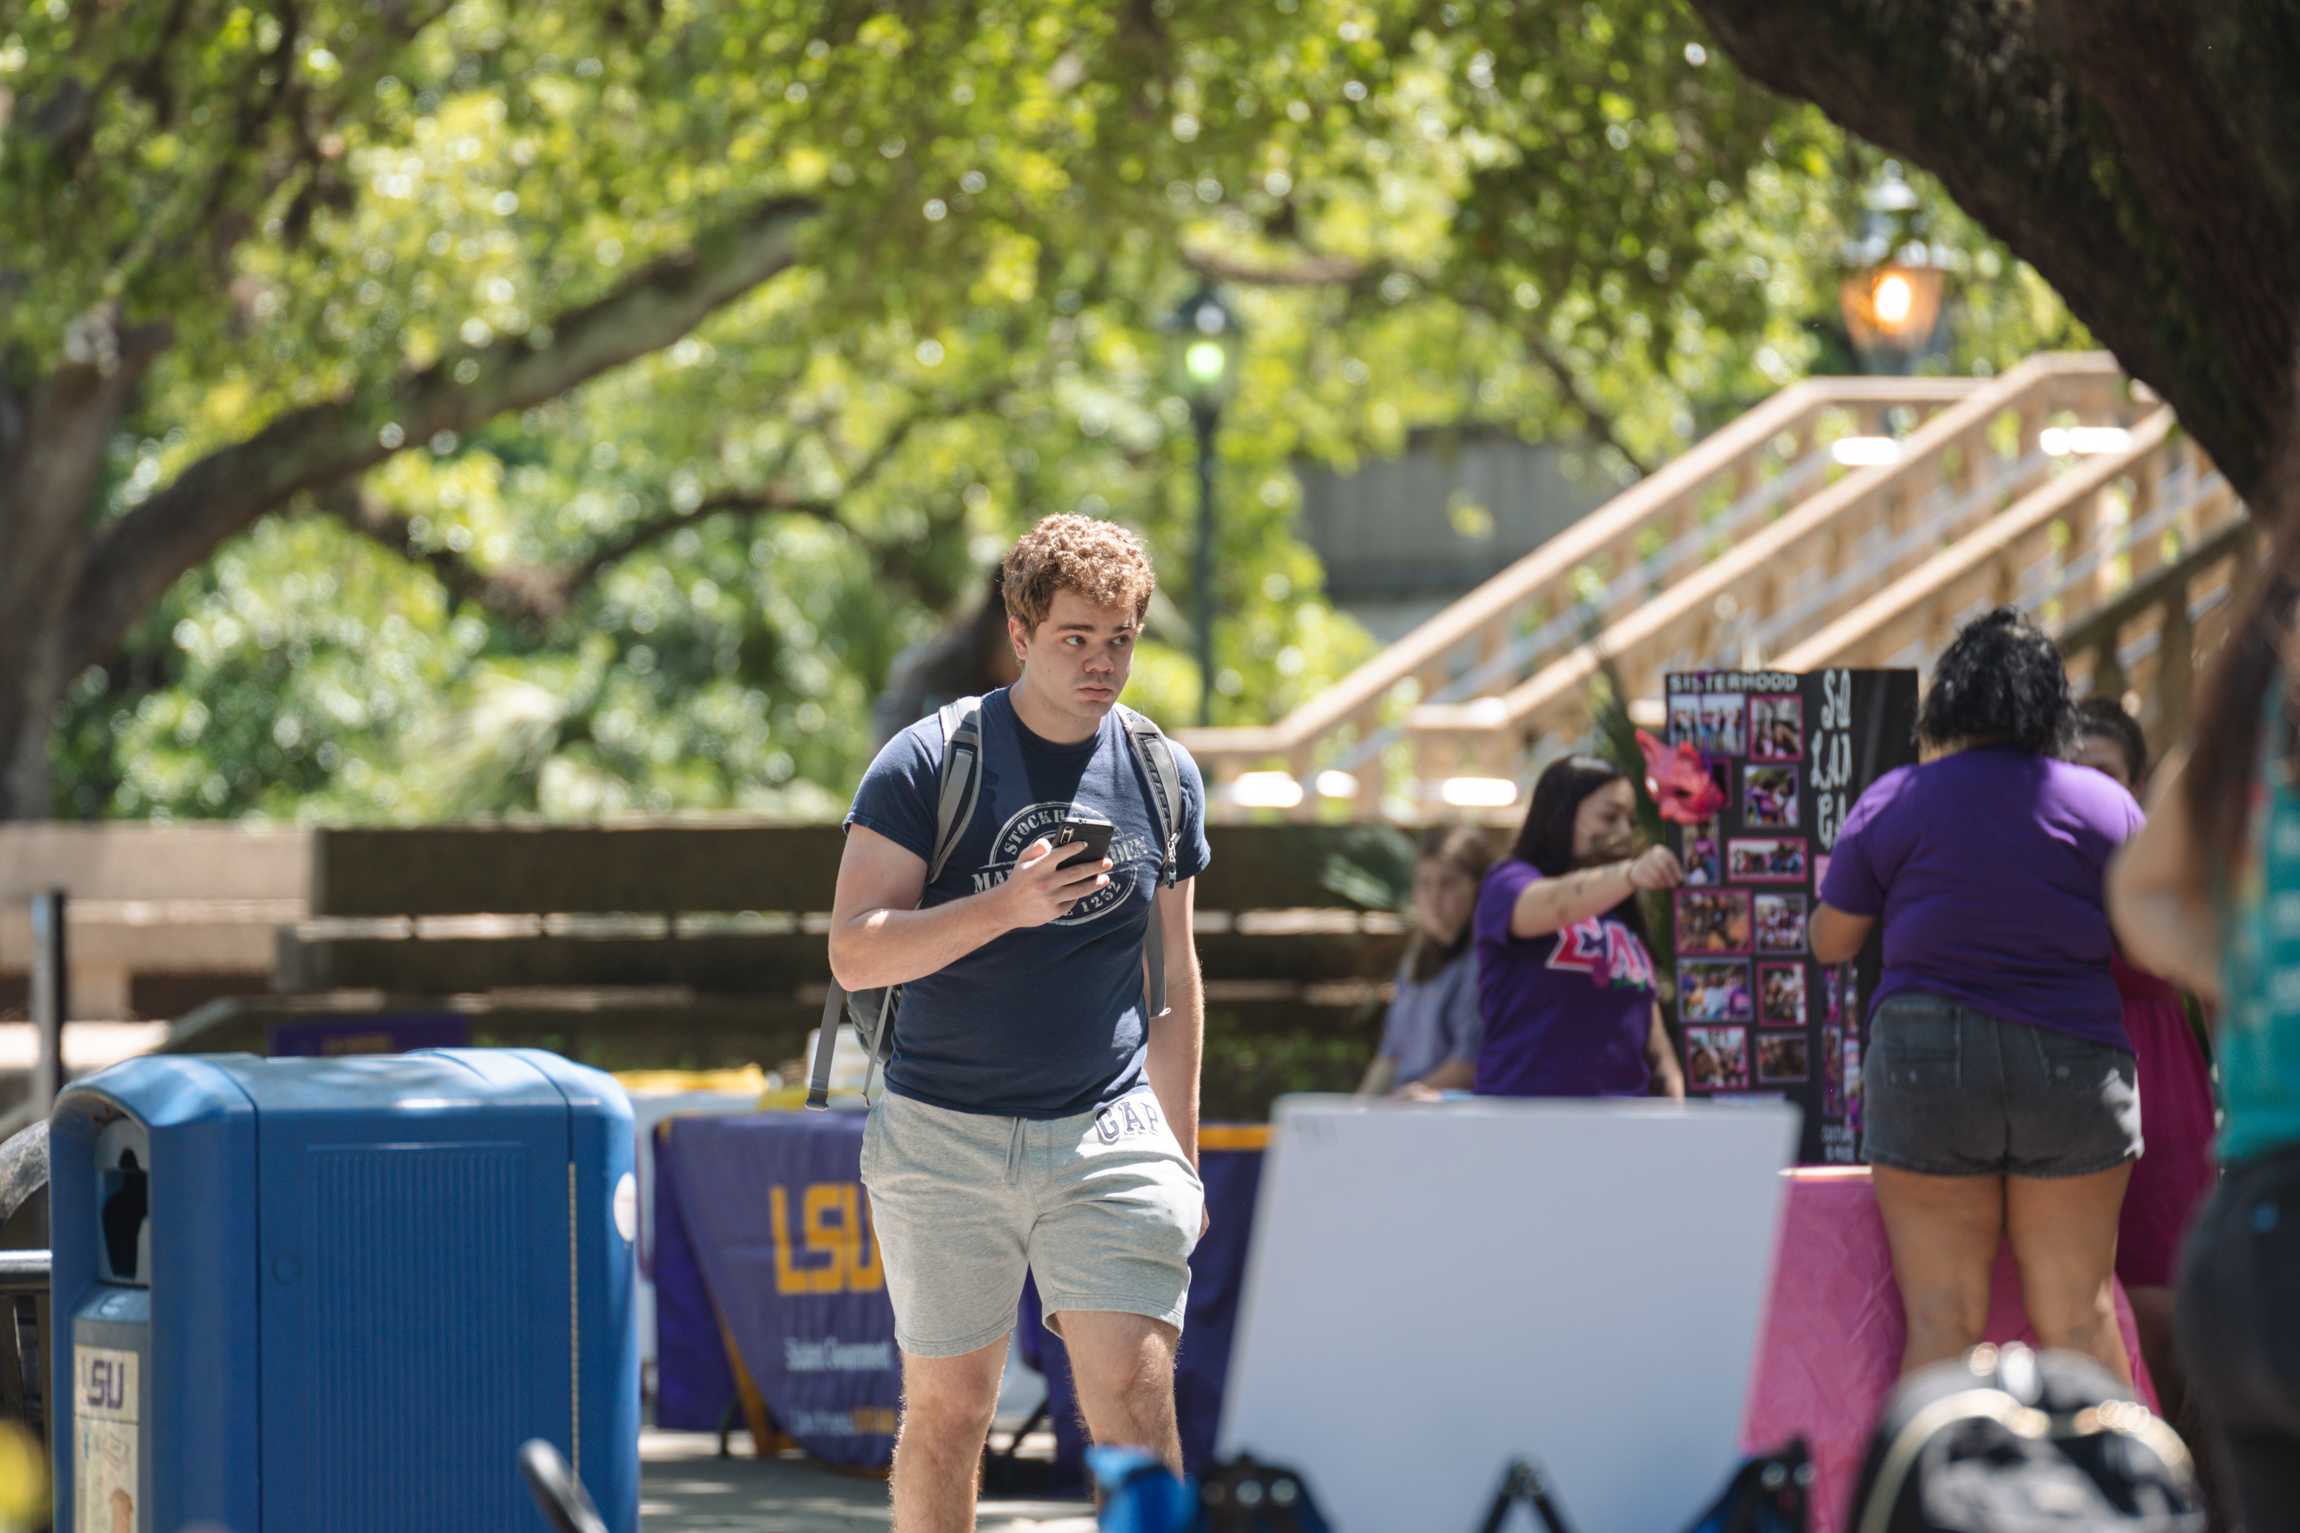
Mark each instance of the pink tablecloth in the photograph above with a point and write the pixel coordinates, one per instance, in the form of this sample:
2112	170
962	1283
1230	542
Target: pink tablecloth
1831	1347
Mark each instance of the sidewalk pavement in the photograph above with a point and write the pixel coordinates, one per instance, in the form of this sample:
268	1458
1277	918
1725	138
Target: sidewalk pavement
687	1488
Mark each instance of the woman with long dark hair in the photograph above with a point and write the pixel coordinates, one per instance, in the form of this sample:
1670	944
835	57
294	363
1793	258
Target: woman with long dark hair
1999	1093
1565	982
1430	1033
2208	895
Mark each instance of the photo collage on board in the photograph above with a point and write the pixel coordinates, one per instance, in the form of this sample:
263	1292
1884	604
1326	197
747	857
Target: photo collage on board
1756	1016
1744	1008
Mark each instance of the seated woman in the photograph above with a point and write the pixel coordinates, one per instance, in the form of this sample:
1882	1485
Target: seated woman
1999	1085
1431	1033
1565	983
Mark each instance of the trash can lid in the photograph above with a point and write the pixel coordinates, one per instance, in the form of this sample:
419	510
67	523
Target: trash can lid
174	1087
162	1089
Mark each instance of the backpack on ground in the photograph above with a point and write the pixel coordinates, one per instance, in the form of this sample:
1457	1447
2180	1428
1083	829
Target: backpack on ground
1770	1493
872	1012
2009	1439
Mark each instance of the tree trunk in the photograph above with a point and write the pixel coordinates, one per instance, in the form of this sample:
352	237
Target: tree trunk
53	437
71	587
2140	154
32	661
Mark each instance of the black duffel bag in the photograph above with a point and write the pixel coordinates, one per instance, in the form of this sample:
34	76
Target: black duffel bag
2013	1441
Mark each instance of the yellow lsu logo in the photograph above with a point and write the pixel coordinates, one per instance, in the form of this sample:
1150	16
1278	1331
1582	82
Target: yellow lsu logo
834	1251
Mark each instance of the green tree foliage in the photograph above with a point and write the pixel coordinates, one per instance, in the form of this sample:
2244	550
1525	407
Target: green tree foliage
471	409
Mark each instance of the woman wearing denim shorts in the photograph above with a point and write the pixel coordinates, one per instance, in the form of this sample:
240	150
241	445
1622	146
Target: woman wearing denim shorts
2000	1093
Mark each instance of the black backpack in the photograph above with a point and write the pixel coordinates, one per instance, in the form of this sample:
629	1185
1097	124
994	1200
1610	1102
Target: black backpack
872	1011
2013	1441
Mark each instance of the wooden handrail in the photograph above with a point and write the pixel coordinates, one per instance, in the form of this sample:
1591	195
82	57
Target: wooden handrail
1782	554
2164	673
2224	542
1611	530
1867	633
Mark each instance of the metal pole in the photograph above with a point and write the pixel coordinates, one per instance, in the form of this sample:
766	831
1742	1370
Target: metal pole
1207	418
51	996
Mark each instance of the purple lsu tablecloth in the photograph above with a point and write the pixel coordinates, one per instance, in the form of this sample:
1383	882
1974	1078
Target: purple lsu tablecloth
761	1222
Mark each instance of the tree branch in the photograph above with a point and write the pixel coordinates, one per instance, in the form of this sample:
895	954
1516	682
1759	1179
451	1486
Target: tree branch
52	458
541	596
2048	120
1538	347
308	449
536	596
647	534
522	595
1304	271
1342	271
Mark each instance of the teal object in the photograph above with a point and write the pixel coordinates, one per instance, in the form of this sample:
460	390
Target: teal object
341	1293
2259	1045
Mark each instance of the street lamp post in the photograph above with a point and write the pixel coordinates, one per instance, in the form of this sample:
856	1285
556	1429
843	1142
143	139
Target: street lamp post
1206	337
1891	297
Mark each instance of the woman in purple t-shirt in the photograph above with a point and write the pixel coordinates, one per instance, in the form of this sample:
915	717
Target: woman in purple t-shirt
1999	1088
1565	984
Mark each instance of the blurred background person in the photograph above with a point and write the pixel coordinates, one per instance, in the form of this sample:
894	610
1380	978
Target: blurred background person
969	656
2173	1177
1431	1032
1565	980
2208	895
2001	1097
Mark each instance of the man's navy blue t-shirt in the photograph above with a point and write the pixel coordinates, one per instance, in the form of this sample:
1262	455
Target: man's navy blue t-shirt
1047	1021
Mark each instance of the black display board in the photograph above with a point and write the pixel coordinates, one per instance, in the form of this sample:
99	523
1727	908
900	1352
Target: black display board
1756	1015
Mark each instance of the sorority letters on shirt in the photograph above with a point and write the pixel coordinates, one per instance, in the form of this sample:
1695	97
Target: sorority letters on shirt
1607	951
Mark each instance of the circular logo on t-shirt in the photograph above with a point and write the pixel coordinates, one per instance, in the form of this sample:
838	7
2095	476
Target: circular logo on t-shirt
1127	854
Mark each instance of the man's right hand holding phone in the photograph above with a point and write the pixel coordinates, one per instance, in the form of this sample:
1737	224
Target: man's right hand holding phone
1041	889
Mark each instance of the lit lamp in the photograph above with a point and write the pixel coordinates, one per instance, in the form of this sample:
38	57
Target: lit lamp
1205	343
1892	299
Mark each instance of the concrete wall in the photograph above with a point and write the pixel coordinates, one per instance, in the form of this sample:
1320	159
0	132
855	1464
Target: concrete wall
157	913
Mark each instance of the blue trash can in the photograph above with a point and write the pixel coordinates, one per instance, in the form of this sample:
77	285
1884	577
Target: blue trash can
295	1295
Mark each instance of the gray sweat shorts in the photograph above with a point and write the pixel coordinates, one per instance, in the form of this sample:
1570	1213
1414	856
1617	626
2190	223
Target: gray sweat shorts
1103	1208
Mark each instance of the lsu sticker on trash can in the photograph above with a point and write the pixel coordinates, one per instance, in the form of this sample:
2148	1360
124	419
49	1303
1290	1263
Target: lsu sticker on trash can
106	1408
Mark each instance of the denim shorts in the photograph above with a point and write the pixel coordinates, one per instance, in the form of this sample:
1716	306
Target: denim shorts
1950	1091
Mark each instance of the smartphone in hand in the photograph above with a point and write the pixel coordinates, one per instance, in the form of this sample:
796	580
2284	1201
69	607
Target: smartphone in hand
1079	829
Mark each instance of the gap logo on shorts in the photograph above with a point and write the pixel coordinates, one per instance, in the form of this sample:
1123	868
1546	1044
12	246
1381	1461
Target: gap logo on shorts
1129	1118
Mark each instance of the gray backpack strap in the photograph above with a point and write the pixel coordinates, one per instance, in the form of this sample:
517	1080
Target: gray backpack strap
959	789
1155	753
961	778
826	1047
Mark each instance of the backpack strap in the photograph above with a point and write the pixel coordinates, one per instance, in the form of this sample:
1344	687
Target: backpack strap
959	787
961	778
826	1047
1154	753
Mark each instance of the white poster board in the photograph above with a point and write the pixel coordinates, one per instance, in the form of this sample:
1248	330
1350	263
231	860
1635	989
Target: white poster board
1434	1291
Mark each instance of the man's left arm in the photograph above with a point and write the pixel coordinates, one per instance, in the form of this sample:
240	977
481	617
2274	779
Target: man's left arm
1178	1039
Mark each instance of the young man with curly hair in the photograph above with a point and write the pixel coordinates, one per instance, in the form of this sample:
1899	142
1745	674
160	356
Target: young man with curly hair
1036	1116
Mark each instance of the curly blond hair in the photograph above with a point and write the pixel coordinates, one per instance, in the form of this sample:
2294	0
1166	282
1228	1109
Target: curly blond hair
1101	561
